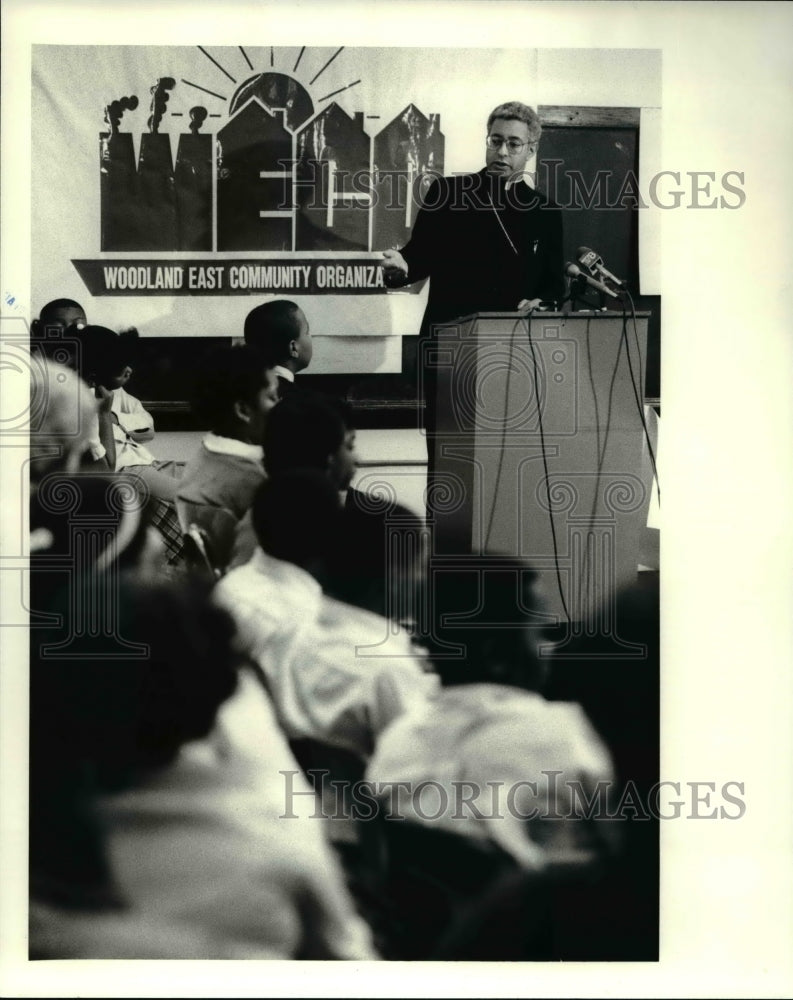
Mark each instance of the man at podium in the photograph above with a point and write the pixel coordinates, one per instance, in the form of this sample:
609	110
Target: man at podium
487	241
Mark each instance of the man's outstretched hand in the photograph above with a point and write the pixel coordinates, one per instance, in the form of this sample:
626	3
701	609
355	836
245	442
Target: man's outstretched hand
395	268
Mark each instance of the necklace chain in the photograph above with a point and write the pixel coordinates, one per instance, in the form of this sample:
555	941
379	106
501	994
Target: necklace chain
503	228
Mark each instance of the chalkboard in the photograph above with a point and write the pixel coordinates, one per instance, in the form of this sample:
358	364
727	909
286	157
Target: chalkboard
589	164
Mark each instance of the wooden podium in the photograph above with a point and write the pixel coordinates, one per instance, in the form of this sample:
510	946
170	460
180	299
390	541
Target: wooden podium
538	449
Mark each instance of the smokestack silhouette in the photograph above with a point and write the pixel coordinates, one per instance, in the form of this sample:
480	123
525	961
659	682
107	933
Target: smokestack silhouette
197	118
159	101
115	111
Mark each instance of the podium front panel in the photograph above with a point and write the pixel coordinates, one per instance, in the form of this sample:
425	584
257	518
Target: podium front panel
537	450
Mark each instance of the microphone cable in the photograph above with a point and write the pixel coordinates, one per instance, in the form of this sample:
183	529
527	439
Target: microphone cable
547	473
502	449
601	447
503	444
639	404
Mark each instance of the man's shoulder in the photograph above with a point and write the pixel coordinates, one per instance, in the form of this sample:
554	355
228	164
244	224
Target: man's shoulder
206	459
449	183
543	198
533	197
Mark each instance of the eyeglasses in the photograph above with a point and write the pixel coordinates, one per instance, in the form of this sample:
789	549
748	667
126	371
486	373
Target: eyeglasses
513	145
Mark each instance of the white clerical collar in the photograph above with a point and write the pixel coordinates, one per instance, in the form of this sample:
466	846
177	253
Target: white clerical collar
231	446
282	372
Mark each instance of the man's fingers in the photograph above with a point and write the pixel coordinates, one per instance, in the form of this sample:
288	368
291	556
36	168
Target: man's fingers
394	261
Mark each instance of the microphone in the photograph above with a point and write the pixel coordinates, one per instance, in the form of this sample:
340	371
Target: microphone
574	271
593	263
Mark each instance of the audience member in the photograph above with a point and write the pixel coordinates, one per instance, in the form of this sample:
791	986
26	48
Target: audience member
311	431
306	431
337	674
55	399
491	724
279	332
217	487
155	801
64	428
104	364
378	559
51	332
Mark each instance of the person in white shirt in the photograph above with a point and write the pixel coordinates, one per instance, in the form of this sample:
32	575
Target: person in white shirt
337	674
279	332
104	364
506	765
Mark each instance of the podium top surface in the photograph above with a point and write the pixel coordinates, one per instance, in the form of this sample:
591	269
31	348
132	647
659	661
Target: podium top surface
583	313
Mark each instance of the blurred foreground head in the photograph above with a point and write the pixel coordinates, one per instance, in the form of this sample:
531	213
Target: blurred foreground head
62	419
488	623
103	721
296	517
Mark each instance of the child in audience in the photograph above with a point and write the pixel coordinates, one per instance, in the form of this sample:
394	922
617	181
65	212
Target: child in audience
379	562
55	318
311	431
279	332
101	357
104	363
234	399
338	674
306	431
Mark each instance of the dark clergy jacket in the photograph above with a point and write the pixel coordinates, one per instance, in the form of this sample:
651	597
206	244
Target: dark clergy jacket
484	247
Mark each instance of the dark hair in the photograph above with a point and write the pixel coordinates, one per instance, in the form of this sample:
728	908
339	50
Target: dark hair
302	432
55	306
103	354
231	374
481	609
296	516
515	111
38	327
127	713
375	556
270	328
